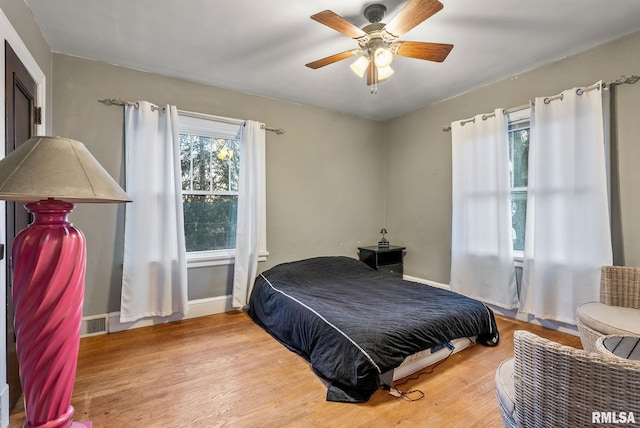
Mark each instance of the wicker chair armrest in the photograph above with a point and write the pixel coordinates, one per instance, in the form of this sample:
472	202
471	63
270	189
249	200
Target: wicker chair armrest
557	385
620	286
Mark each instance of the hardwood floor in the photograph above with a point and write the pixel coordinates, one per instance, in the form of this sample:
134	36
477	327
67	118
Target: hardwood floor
225	371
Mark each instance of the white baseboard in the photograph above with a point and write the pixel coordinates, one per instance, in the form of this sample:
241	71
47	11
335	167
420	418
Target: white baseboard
197	308
511	313
4	406
551	324
426	282
220	304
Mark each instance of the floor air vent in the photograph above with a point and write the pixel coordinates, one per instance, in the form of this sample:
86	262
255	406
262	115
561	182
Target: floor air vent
94	325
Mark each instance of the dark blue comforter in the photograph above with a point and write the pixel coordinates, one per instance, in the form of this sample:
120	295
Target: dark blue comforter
353	324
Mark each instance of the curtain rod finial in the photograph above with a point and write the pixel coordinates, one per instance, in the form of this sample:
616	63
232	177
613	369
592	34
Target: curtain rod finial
114	102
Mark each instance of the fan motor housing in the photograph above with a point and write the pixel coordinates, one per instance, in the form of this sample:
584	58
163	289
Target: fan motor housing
375	12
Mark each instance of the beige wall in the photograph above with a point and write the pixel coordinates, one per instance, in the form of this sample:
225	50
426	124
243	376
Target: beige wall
323	175
333	180
418	153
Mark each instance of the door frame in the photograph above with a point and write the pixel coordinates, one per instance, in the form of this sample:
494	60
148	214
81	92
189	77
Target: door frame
8	33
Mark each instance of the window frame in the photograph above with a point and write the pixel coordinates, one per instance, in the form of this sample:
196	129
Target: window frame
215	127
517	117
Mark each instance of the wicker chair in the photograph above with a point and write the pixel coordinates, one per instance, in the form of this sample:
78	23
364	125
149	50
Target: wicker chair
553	385
618	311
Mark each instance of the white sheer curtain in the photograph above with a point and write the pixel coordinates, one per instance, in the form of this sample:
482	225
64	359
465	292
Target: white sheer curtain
568	236
481	242
251	223
154	279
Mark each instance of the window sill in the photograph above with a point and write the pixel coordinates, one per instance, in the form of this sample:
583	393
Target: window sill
199	259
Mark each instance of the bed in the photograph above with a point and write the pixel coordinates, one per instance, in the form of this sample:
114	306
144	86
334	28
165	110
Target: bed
356	326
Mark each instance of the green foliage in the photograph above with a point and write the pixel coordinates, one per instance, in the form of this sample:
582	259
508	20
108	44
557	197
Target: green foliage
210	222
519	171
210	174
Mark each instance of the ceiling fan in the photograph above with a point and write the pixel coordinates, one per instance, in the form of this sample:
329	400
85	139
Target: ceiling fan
378	42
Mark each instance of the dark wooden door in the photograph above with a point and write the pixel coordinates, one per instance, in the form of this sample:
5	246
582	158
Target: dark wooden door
20	98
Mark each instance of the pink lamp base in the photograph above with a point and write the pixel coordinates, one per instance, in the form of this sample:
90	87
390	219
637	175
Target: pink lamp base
49	261
64	421
73	425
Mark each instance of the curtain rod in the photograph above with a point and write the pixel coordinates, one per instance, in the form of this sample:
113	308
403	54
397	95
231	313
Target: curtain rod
619	81
121	102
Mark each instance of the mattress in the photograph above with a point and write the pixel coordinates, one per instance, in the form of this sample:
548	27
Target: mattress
354	324
427	357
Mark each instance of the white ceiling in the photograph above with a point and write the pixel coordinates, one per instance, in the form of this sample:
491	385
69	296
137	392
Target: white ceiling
260	47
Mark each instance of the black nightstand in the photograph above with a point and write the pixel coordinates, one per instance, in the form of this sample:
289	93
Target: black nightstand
386	260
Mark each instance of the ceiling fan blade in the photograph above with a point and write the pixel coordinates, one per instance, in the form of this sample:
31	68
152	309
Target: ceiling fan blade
421	50
412	14
333	58
338	23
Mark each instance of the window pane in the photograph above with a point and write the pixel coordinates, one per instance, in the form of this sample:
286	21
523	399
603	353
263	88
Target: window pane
234	167
519	156
225	164
518	218
210	222
201	151
185	160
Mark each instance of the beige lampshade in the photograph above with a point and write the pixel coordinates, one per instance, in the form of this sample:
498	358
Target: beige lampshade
59	168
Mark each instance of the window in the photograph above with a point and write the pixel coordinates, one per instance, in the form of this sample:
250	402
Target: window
519	133
210	159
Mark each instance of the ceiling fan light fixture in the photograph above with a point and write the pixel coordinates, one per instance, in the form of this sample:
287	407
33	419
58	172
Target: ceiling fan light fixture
382	57
384	73
378	42
359	67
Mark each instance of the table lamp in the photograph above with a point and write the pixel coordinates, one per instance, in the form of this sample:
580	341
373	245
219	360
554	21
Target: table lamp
51	174
383	243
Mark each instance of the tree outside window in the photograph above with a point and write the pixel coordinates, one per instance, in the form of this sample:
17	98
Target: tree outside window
210	172
519	133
